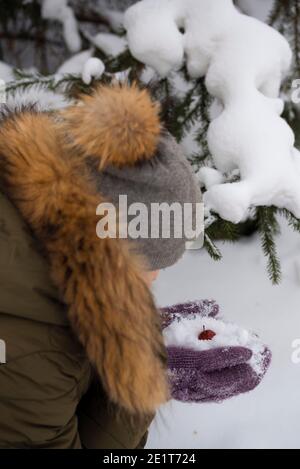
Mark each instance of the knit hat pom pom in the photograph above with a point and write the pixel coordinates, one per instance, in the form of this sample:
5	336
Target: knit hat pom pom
117	124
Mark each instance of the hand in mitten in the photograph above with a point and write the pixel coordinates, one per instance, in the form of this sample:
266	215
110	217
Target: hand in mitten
210	360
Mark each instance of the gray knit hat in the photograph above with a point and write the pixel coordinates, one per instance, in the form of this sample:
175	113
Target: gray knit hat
118	129
167	178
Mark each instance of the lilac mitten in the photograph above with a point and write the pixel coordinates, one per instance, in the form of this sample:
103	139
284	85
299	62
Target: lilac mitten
214	374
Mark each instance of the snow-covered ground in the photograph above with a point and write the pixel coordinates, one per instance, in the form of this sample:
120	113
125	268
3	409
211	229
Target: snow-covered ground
269	417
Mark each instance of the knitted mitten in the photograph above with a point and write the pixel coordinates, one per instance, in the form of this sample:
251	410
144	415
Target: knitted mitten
210	360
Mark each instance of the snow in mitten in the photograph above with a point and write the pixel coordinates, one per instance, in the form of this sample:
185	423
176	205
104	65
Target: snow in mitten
210	360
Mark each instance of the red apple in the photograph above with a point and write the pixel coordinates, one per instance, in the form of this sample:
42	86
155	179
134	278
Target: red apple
206	334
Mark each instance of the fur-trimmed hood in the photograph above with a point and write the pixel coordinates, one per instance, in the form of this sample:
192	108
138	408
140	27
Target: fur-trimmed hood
43	171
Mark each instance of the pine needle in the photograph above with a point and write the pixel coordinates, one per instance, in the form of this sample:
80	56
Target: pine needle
212	249
268	228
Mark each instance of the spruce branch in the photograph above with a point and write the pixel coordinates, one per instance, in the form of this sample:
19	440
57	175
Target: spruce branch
285	16
212	249
223	230
268	228
275	12
293	222
70	85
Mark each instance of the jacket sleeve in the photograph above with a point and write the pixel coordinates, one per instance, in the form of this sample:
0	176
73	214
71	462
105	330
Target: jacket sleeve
38	399
102	425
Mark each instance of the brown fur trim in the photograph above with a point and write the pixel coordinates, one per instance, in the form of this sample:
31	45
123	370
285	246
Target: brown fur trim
118	125
110	307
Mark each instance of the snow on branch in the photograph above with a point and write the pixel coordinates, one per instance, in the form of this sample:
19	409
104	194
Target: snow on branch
244	62
60	11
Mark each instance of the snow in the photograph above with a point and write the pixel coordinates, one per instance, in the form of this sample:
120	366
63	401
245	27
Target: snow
244	62
110	44
75	64
6	72
153	34
115	19
93	68
185	334
268	417
297	268
83	64
43	99
209	177
60	11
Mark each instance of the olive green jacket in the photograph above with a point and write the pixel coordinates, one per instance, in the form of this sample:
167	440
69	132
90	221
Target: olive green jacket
75	312
46	373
